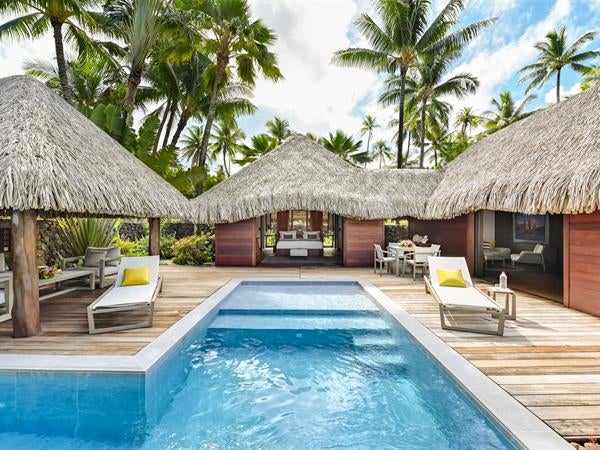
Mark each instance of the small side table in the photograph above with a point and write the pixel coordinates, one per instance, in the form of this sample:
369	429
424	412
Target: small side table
509	294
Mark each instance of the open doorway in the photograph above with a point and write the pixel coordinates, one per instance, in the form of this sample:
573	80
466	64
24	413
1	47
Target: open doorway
302	247
528	248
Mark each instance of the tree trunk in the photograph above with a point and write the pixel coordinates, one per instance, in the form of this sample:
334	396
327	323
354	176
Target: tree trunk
154	237
558	86
26	308
60	59
135	78
380	159
422	137
225	162
162	125
435	157
212	108
170	123
403	71
409	137
368	144
181	124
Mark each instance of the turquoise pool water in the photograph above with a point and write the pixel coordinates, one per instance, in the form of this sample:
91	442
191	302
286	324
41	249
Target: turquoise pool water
281	365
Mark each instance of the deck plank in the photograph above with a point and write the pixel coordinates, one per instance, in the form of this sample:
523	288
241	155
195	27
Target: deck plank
549	359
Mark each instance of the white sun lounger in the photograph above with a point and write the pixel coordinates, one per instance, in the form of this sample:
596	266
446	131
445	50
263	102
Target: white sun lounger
128	298
469	299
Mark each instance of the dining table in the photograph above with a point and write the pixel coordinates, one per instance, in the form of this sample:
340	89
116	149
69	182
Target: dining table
400	253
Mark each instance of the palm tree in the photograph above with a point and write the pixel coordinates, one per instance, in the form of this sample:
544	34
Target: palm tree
591	77
278	128
35	17
191	145
261	144
437	135
345	146
467	119
227	142
91	80
554	55
382	151
369	124
402	36
138	24
506	111
429	86
237	43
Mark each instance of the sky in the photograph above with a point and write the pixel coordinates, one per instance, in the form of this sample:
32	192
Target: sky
319	97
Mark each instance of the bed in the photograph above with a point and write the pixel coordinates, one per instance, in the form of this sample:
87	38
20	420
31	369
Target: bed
286	246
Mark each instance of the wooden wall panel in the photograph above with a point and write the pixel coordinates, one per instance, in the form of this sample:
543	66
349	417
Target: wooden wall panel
456	236
581	259
316	220
283	220
236	244
359	238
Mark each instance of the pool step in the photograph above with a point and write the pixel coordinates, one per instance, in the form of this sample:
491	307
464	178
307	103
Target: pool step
391	358
374	342
349	323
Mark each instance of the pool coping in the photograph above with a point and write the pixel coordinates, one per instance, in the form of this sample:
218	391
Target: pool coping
521	424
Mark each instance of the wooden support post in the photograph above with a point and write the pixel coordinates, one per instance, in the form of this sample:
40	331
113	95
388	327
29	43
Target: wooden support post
154	238
26	306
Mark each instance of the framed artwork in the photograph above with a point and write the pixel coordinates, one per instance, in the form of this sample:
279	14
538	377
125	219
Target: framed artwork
530	228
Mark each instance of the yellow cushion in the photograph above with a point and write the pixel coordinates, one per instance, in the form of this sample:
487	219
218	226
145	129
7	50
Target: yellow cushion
492	246
451	278
135	276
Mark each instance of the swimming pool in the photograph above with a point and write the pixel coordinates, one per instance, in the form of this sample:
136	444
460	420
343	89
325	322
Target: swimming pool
275	365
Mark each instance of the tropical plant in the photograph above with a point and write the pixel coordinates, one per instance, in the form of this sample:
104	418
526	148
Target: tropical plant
82	233
506	111
453	146
138	24
402	36
194	250
367	127
226	142
466	119
382	152
235	43
190	151
591	77
428	86
261	144
211	180
278	128
554	55
92	80
345	146
33	18
437	136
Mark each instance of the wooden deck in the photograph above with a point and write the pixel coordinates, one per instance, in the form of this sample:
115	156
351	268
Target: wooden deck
549	359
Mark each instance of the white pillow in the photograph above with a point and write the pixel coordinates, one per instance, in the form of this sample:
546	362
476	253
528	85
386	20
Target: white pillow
312	235
287	234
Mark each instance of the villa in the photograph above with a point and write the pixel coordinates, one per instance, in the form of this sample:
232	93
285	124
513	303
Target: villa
295	234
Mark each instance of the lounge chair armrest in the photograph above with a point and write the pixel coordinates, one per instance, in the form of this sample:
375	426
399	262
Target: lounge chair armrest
70	260
104	261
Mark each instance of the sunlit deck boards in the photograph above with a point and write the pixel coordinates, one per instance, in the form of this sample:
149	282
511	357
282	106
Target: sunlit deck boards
549	359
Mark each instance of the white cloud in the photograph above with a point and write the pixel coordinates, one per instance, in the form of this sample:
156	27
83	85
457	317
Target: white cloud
494	66
315	95
550	96
14	54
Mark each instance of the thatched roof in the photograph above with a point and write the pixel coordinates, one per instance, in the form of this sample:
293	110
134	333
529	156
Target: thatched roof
301	174
547	163
55	160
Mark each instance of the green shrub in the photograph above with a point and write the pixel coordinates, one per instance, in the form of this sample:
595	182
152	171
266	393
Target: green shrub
131	248
87	232
194	250
167	241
